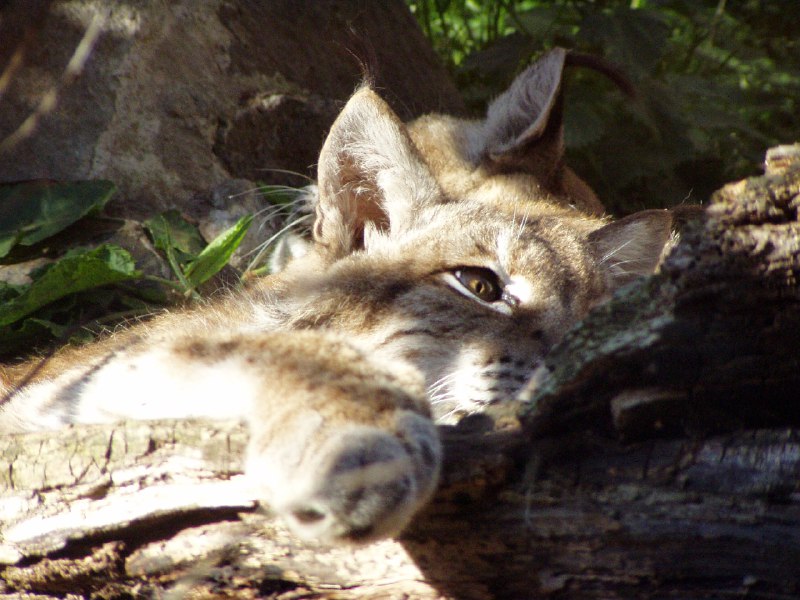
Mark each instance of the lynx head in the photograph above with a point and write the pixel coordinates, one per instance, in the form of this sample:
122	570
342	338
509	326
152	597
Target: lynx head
472	282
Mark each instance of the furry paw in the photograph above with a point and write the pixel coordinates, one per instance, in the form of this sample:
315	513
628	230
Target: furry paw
359	484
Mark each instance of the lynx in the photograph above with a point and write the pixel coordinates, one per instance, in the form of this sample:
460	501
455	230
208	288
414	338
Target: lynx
448	257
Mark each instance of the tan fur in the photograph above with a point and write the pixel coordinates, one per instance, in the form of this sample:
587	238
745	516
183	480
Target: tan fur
452	148
449	257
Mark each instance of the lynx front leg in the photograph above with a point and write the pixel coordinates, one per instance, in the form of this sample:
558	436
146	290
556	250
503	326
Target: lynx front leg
342	449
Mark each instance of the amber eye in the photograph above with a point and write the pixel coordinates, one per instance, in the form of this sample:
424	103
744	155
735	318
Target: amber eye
481	283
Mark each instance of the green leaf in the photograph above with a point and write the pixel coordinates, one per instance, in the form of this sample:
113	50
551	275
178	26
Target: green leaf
547	21
33	211
634	38
7	243
179	240
171	230
20	337
217	254
77	271
34	327
8	291
75	318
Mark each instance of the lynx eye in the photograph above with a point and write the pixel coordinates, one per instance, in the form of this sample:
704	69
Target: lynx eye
481	283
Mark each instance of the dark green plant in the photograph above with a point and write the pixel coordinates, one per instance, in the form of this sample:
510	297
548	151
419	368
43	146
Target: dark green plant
75	291
718	82
192	261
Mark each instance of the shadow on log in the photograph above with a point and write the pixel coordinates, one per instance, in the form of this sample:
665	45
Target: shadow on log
657	454
709	344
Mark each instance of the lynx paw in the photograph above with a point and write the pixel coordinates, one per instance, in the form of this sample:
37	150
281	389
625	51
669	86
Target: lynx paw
361	483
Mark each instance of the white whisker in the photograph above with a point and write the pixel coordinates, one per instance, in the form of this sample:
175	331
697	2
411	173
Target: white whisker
521	225
287	172
262	248
435	388
252	190
272	210
608	256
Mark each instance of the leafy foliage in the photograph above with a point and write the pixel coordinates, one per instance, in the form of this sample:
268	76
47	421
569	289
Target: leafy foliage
717	84
217	254
86	286
57	301
171	233
192	263
75	272
35	210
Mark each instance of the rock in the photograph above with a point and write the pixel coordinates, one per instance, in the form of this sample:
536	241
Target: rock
20	273
176	97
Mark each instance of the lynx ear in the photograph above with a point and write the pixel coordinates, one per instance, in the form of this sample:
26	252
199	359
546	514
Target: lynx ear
632	246
370	176
523	127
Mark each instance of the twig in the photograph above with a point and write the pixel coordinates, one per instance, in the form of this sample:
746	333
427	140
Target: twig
49	100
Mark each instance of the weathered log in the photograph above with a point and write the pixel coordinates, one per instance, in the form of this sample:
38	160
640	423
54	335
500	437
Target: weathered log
657	456
711	343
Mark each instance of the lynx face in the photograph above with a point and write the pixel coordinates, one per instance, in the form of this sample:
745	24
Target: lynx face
466	248
471	294
448	257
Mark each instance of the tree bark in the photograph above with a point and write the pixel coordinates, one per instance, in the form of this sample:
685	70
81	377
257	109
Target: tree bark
656	454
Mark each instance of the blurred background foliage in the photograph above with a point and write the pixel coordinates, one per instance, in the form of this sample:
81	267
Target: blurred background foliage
717	83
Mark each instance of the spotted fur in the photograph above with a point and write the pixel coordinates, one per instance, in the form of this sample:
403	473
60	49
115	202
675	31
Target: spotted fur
449	256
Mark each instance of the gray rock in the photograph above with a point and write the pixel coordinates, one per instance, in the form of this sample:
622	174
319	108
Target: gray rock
176	97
